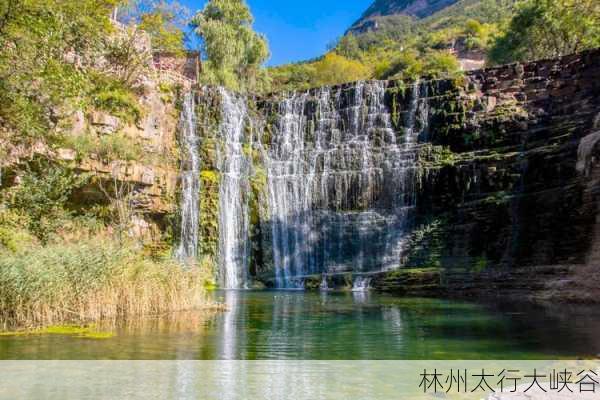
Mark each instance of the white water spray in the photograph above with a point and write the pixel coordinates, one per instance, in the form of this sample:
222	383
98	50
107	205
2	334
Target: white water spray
190	181
233	203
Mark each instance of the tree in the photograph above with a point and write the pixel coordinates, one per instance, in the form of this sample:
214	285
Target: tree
42	196
407	65
235	52
289	77
441	64
333	69
548	29
47	48
163	21
348	46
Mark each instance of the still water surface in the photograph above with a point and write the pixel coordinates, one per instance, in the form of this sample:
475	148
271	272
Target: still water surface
334	326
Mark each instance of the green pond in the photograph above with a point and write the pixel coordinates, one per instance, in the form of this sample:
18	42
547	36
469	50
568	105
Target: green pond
273	325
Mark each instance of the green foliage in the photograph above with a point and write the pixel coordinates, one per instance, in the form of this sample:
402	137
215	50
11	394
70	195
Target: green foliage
209	212
410	65
548	29
115	98
442	39
478	36
162	20
332	69
42	196
235	52
118	147
348	46
165	37
293	76
427	244
440	64
46	47
407	65
127	58
13	231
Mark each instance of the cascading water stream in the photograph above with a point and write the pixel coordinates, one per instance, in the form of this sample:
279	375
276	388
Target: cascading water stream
361	284
190	180
341	182
233	205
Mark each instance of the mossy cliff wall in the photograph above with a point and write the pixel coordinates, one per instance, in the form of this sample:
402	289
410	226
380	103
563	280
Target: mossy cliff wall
506	183
136	154
510	176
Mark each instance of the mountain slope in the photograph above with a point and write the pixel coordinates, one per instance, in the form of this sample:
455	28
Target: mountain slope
384	8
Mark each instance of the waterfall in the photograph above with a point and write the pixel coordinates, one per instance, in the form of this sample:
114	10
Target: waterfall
341	181
234	167
190	180
361	284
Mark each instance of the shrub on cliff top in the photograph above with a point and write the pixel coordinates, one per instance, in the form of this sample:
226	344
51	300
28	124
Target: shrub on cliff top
549	29
334	69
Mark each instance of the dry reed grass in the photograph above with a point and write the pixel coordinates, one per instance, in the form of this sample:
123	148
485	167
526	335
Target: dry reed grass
92	281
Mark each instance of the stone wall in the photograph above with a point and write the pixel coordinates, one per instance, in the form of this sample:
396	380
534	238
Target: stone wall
188	66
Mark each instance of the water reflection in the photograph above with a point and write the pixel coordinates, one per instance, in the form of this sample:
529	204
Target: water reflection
360	296
267	380
332	325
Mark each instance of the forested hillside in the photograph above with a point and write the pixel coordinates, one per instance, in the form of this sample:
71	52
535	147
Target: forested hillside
386	8
409	39
406	39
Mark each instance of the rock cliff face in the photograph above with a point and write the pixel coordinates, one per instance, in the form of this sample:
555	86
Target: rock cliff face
489	181
511	176
486	181
95	140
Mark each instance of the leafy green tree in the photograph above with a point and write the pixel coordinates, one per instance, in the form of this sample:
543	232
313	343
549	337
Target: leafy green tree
235	52
441	64
42	197
478	36
407	65
548	29
334	69
348	46
47	48
289	77
164	21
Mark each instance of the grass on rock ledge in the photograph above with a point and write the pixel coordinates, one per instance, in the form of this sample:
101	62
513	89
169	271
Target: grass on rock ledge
93	280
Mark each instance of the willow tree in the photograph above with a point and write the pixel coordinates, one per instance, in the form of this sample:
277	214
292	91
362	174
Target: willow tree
235	52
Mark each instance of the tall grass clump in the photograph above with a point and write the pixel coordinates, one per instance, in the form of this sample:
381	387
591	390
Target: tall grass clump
90	281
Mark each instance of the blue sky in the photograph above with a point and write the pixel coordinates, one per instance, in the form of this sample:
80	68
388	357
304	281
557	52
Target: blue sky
299	29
